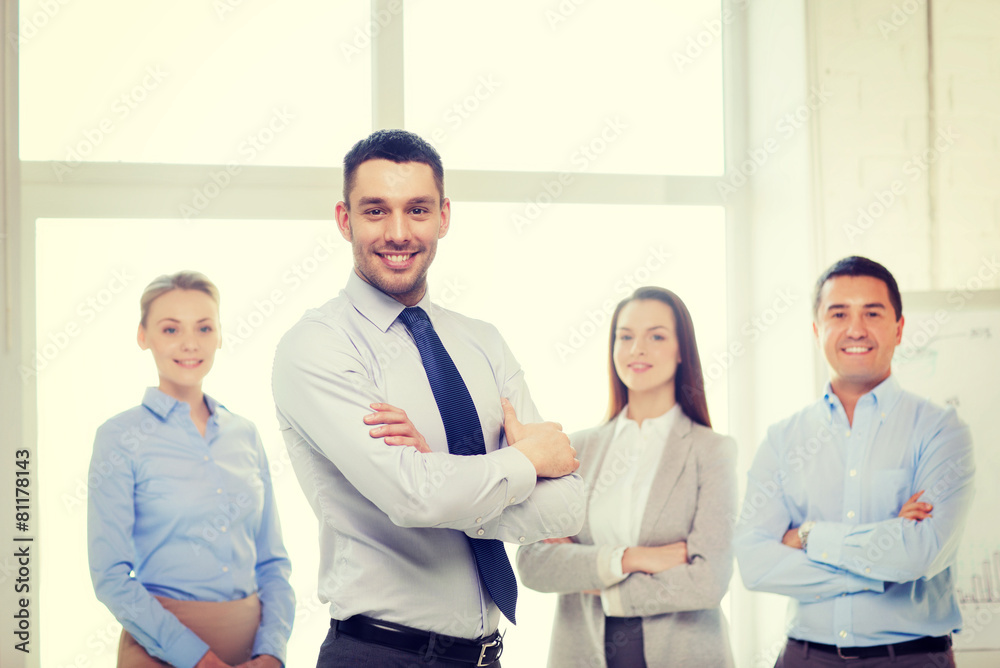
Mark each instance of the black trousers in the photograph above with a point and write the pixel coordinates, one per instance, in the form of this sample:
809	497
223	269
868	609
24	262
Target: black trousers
623	642
340	651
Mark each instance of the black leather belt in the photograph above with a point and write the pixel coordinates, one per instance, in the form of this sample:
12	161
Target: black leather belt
918	646
472	652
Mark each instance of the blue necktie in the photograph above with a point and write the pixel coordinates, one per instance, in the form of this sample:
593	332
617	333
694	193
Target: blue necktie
465	437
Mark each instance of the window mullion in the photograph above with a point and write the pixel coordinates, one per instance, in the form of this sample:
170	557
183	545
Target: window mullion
387	64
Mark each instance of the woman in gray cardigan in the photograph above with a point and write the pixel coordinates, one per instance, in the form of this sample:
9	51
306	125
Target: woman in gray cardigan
640	585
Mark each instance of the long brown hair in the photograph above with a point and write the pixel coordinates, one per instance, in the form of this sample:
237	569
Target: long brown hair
689	384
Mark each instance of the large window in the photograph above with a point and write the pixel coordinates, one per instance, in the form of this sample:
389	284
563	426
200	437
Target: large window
581	155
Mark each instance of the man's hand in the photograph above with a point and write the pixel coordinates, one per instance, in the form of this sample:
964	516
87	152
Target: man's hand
791	538
397	429
262	661
643	559
210	660
543	443
916	510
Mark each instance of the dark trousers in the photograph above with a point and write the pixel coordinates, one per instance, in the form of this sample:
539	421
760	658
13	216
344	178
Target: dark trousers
340	651
623	642
798	655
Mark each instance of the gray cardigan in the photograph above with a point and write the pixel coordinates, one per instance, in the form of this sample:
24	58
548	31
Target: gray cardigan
693	499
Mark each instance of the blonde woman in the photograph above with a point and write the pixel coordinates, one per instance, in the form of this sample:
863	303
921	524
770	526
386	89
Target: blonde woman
640	585
184	541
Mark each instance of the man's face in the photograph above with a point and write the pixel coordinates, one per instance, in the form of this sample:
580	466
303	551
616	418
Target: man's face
394	222
857	329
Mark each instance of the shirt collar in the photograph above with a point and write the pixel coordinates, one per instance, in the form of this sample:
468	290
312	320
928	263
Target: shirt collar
661	425
161	403
376	306
885	395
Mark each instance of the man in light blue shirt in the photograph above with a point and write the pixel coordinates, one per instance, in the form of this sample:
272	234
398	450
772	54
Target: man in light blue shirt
855	505
396	560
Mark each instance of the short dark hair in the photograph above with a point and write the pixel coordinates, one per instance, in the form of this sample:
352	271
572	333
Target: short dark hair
856	265
689	384
397	145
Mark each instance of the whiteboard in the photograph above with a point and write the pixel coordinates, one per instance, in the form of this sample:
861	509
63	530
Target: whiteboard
950	353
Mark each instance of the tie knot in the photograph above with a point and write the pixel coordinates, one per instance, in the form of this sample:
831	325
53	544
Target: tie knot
412	315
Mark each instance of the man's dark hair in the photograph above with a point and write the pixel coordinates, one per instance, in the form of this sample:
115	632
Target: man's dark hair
397	145
856	265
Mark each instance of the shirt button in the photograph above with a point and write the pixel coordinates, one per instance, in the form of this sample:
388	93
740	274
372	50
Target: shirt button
521	539
817	597
854	472
868	570
883	414
225	569
843	634
824	555
850	513
512	500
847	433
206	458
218	491
479	520
222	529
481	532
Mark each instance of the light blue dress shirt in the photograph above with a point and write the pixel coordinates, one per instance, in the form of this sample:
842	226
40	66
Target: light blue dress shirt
176	514
867	576
392	519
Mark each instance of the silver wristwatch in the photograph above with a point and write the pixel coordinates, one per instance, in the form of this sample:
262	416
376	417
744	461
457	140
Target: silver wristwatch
804	532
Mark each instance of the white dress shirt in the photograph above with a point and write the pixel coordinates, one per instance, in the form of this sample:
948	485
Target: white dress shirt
391	518
622	488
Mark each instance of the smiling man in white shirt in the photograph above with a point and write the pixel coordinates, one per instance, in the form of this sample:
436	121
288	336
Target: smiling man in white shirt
399	563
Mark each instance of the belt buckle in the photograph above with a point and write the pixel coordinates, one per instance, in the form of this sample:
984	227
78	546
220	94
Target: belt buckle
846	658
483	648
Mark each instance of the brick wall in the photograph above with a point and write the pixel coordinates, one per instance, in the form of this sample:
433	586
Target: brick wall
904	181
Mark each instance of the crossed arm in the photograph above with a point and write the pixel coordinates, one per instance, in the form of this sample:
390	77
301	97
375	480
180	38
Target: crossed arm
323	389
920	540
